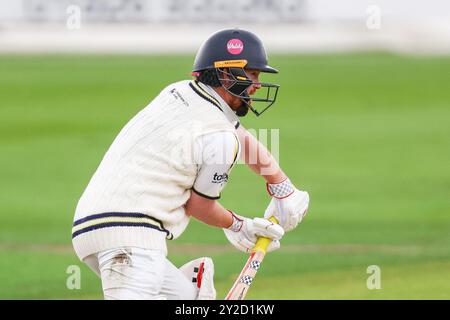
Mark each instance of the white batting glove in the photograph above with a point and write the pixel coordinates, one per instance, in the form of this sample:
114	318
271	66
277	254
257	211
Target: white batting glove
289	205
244	232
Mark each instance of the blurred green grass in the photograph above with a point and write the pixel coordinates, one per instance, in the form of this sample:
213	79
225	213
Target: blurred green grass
366	134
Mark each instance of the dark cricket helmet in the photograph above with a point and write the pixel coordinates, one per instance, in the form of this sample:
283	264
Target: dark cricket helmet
222	60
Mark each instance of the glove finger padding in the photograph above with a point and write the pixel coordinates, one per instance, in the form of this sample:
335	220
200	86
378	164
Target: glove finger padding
274	245
268	229
272	211
290	210
304	203
245	239
238	241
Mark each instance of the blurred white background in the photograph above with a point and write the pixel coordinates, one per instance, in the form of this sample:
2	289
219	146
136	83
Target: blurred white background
173	26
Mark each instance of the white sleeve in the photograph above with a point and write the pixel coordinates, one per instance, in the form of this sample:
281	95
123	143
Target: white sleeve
215	154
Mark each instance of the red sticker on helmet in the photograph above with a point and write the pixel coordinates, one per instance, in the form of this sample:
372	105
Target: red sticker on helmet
235	46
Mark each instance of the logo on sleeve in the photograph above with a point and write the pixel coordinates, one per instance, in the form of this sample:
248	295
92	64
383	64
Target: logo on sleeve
220	178
178	96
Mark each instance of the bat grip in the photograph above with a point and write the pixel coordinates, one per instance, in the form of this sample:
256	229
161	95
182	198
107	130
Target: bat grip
262	243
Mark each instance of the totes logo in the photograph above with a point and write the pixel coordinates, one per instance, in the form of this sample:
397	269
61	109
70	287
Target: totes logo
220	178
235	46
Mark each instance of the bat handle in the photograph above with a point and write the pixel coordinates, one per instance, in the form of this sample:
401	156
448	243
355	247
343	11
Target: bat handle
262	243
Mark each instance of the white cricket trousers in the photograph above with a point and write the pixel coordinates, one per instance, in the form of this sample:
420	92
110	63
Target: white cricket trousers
131	273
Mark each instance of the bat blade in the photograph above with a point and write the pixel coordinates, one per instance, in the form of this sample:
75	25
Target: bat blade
242	284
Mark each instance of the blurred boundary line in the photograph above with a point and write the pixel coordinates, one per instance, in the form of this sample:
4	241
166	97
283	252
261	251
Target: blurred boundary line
409	37
194	248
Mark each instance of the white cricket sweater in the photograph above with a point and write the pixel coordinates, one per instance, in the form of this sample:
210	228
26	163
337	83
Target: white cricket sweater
137	195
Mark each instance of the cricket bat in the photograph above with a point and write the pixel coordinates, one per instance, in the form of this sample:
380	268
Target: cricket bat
242	284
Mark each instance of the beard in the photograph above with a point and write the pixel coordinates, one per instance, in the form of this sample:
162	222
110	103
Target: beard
242	110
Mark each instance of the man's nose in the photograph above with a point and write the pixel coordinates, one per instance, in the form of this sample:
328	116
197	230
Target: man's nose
256	86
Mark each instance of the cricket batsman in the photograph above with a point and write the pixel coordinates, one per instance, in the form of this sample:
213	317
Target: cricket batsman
170	163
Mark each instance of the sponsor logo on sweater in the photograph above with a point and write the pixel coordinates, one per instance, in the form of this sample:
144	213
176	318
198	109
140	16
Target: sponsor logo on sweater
220	178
